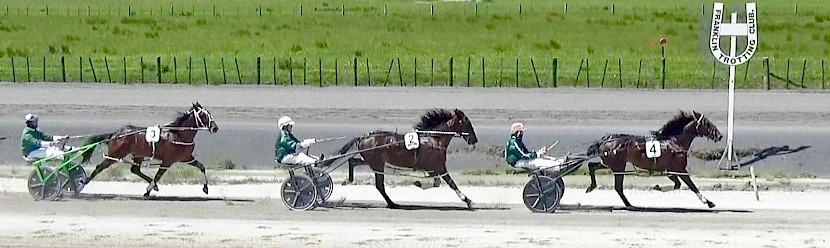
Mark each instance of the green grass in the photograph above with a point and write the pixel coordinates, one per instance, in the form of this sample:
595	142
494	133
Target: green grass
236	32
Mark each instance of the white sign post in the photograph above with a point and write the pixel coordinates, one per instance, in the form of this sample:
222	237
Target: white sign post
733	30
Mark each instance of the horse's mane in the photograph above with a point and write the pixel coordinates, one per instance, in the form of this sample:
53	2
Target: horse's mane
676	125
433	118
182	116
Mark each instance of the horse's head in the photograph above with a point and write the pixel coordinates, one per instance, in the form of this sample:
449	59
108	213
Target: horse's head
705	128
203	118
460	123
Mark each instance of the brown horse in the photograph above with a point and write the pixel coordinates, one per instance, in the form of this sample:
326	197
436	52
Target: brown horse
175	144
379	148
617	149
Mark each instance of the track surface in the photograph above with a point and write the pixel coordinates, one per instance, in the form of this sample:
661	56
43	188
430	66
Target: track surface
247	115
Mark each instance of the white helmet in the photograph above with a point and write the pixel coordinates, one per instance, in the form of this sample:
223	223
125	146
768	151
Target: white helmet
285	120
31	117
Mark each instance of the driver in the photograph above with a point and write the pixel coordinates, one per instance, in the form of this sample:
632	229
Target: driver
35	144
287	148
518	156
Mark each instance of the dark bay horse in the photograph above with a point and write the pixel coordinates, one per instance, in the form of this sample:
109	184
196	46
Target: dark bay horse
175	145
676	138
430	156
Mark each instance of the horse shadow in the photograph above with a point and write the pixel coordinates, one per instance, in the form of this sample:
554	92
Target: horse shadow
772	151
592	208
115	197
370	205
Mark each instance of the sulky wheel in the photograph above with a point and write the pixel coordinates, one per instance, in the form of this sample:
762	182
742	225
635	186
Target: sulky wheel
542	194
78	176
298	193
44	189
325	185
560	184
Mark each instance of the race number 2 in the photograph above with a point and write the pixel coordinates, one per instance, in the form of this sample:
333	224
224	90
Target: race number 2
153	134
411	140
653	149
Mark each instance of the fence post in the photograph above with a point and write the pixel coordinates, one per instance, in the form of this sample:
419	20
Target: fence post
63	69
639	72
766	76
803	68
588	72
141	61
107	66
400	75
451	74
158	68
14	75
788	73
431	71
822	74
663	74
80	67
28	73
533	65
238	74
483	82
746	70
204	62
501	71
91	66
291	71
189	70
604	69
579	71
224	77
175	70
44	68
354	63
124	64
714	72
416	72
517	73
619	66
320	71
336	73
305	70
259	63
274	69
368	72
555	72
469	63
389	72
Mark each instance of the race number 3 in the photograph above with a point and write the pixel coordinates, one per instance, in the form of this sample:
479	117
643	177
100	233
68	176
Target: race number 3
153	134
653	149
411	140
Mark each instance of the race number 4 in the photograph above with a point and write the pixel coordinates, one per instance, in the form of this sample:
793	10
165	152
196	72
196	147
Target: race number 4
411	140
153	134
653	149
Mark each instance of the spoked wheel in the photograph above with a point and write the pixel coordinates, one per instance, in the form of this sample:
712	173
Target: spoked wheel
78	176
325	185
561	186
542	194
48	189
299	193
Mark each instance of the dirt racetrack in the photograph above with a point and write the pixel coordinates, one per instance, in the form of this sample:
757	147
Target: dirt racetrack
111	214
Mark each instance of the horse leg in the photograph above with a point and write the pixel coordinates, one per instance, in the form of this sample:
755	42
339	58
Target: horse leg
382	190
98	168
673	178
688	180
592	168
618	186
201	167
454	187
159	173
135	168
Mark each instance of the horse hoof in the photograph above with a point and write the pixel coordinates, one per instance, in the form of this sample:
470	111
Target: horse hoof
710	204
590	189
393	206
469	204
156	187
658	188
205	189
146	195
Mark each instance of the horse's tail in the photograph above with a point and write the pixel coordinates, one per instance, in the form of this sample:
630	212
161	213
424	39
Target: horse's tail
593	149
348	146
92	140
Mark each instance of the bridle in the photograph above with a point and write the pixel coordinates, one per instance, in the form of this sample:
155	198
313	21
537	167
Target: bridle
710	130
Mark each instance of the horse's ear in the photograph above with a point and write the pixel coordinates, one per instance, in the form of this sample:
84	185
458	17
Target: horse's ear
696	113
458	112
